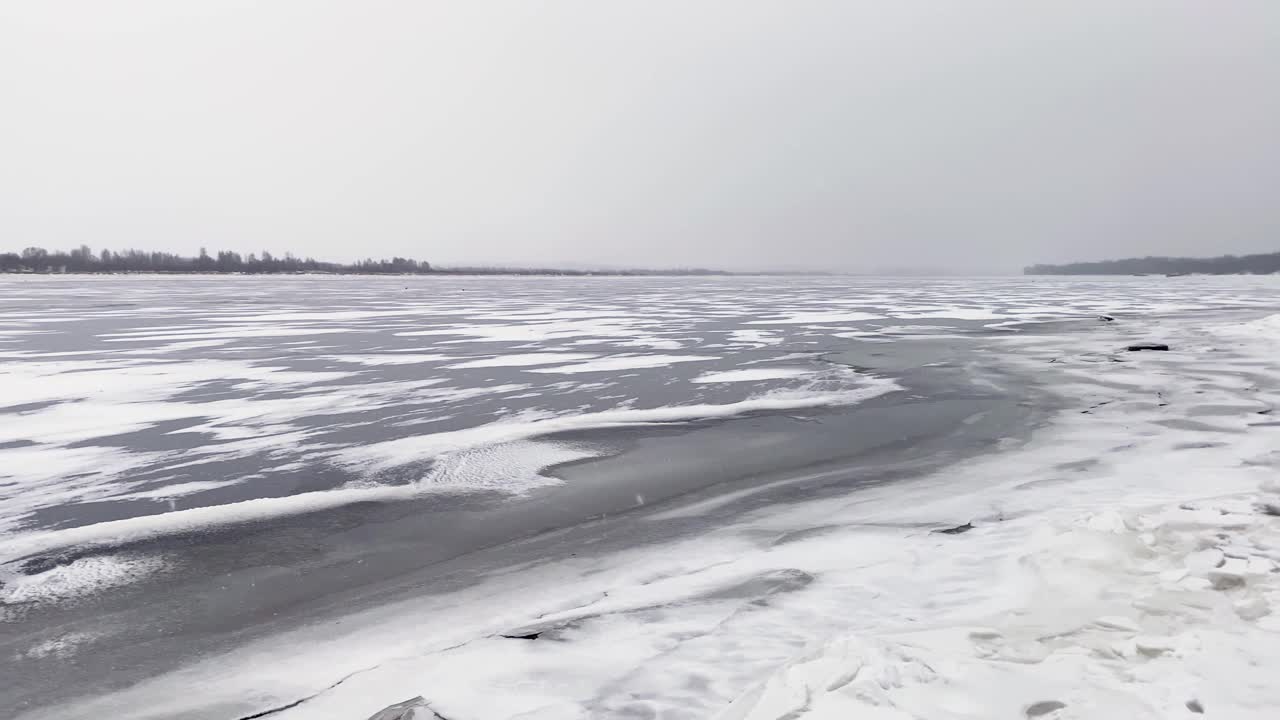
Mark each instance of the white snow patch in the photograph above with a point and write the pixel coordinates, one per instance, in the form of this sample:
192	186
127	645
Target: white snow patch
803	318
539	331
752	375
653	343
389	359
956	313
514	467
62	647
79	578
755	337
624	362
522	360
229	332
22	544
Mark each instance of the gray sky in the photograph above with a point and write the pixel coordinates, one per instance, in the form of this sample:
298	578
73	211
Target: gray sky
972	135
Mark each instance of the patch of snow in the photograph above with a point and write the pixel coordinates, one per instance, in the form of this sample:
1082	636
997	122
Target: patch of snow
398	359
652	343
956	313
61	647
522	360
80	577
754	337
623	362
805	318
752	375
513	468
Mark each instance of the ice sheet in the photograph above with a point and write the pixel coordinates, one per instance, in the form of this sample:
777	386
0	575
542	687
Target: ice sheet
125	378
1120	564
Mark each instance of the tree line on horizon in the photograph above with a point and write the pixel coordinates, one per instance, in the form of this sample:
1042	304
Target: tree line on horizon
84	260
1261	264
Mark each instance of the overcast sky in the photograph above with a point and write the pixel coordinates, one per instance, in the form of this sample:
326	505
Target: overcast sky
966	135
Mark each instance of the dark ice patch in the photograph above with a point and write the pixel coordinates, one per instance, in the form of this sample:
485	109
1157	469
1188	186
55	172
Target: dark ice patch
157	437
31	406
1044	707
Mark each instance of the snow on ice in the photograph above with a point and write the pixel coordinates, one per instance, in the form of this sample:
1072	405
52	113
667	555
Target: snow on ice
1122	564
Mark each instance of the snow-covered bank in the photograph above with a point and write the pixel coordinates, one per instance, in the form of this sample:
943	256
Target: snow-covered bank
1123	566
1120	566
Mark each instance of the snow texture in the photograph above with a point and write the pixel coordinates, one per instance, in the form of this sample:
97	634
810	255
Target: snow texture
1122	564
78	577
752	375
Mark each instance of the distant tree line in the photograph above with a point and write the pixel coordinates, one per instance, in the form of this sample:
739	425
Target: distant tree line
1223	265
84	260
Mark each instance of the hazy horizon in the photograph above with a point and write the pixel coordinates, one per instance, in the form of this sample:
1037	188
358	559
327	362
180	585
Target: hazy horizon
822	135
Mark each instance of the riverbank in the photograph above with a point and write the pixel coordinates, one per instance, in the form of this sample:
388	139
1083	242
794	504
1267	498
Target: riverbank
1125	564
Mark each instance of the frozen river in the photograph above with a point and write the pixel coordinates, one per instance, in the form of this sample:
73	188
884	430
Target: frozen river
144	421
